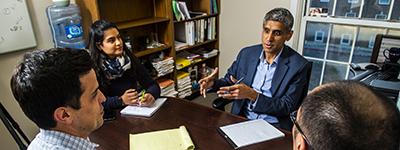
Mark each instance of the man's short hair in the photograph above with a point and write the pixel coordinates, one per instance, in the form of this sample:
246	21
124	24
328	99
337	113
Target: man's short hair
282	15
48	79
349	115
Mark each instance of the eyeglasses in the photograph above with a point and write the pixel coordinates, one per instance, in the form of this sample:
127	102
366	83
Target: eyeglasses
293	118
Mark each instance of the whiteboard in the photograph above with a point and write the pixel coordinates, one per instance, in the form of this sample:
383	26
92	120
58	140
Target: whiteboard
15	26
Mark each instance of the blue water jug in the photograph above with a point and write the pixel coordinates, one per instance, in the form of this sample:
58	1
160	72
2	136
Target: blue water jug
65	24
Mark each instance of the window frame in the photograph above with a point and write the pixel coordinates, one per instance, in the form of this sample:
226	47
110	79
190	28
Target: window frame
357	22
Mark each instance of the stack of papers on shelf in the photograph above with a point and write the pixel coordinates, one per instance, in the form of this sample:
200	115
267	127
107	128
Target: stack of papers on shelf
193	58
172	139
180	45
184	84
207	53
197	14
165	66
249	132
167	87
143	111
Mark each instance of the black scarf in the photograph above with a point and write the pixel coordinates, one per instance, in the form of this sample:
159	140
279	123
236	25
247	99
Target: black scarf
115	67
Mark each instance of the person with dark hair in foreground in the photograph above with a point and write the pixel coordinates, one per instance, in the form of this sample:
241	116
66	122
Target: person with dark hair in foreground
272	76
346	115
57	89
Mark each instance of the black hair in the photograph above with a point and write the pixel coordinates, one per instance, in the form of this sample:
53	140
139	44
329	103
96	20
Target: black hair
48	79
349	115
96	37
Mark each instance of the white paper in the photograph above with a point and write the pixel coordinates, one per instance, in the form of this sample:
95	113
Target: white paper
250	132
143	111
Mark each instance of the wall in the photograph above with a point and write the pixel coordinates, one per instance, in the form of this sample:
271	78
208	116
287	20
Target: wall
241	26
7	64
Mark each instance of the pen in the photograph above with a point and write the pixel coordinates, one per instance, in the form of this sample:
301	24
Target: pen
240	80
237	82
142	95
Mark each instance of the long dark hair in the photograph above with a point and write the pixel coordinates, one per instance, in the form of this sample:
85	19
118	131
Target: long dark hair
96	37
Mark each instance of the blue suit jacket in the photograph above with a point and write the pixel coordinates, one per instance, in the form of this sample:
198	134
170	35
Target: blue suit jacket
289	83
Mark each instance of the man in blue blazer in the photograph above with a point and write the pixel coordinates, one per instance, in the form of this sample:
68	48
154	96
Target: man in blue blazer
266	81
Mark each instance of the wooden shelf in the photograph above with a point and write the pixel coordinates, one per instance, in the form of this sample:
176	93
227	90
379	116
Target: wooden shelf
197	18
140	22
197	45
195	63
150	51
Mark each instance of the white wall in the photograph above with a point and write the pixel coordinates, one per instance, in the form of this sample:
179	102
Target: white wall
7	64
241	26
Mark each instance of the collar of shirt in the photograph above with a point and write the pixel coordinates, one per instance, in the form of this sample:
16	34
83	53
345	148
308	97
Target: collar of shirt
276	59
64	140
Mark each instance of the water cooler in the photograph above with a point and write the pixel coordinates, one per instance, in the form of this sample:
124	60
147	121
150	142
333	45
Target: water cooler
65	23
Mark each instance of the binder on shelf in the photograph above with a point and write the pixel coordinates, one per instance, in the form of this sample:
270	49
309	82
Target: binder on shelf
214	7
178	138
184	9
143	111
177	14
179	11
249	132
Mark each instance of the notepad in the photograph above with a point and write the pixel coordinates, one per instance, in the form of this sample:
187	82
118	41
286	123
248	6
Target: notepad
249	132
172	139
143	111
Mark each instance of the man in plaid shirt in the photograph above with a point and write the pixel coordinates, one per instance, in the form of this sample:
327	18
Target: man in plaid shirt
57	89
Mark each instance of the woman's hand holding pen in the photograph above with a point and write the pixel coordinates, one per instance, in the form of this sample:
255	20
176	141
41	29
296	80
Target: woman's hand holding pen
207	82
146	100
237	91
132	97
129	97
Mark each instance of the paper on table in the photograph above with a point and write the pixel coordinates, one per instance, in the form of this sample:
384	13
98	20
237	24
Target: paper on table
250	132
172	139
143	111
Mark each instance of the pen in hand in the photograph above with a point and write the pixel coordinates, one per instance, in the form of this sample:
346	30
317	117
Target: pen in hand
240	80
237	82
141	99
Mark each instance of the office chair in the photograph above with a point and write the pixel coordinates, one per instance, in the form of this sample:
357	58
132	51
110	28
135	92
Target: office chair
12	127
220	103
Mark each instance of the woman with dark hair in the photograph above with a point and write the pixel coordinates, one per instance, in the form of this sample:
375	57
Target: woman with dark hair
122	78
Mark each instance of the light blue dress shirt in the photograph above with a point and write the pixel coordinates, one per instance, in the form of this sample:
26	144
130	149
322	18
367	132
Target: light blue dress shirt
52	140
262	85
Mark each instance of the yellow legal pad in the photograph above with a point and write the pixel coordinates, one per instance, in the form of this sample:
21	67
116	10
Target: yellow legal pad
172	139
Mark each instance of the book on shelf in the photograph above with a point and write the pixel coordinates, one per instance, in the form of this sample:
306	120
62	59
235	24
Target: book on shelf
195	14
180	45
143	111
184	9
192	57
249	132
167	87
207	53
182	63
182	16
170	139
175	10
214	7
197	31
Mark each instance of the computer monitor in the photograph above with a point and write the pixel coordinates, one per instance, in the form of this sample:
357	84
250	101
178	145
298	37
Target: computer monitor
383	42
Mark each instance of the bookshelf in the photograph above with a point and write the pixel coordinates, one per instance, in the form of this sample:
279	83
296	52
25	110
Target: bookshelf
155	19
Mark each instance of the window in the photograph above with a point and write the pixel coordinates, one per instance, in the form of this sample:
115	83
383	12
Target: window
319	36
384	2
346	35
